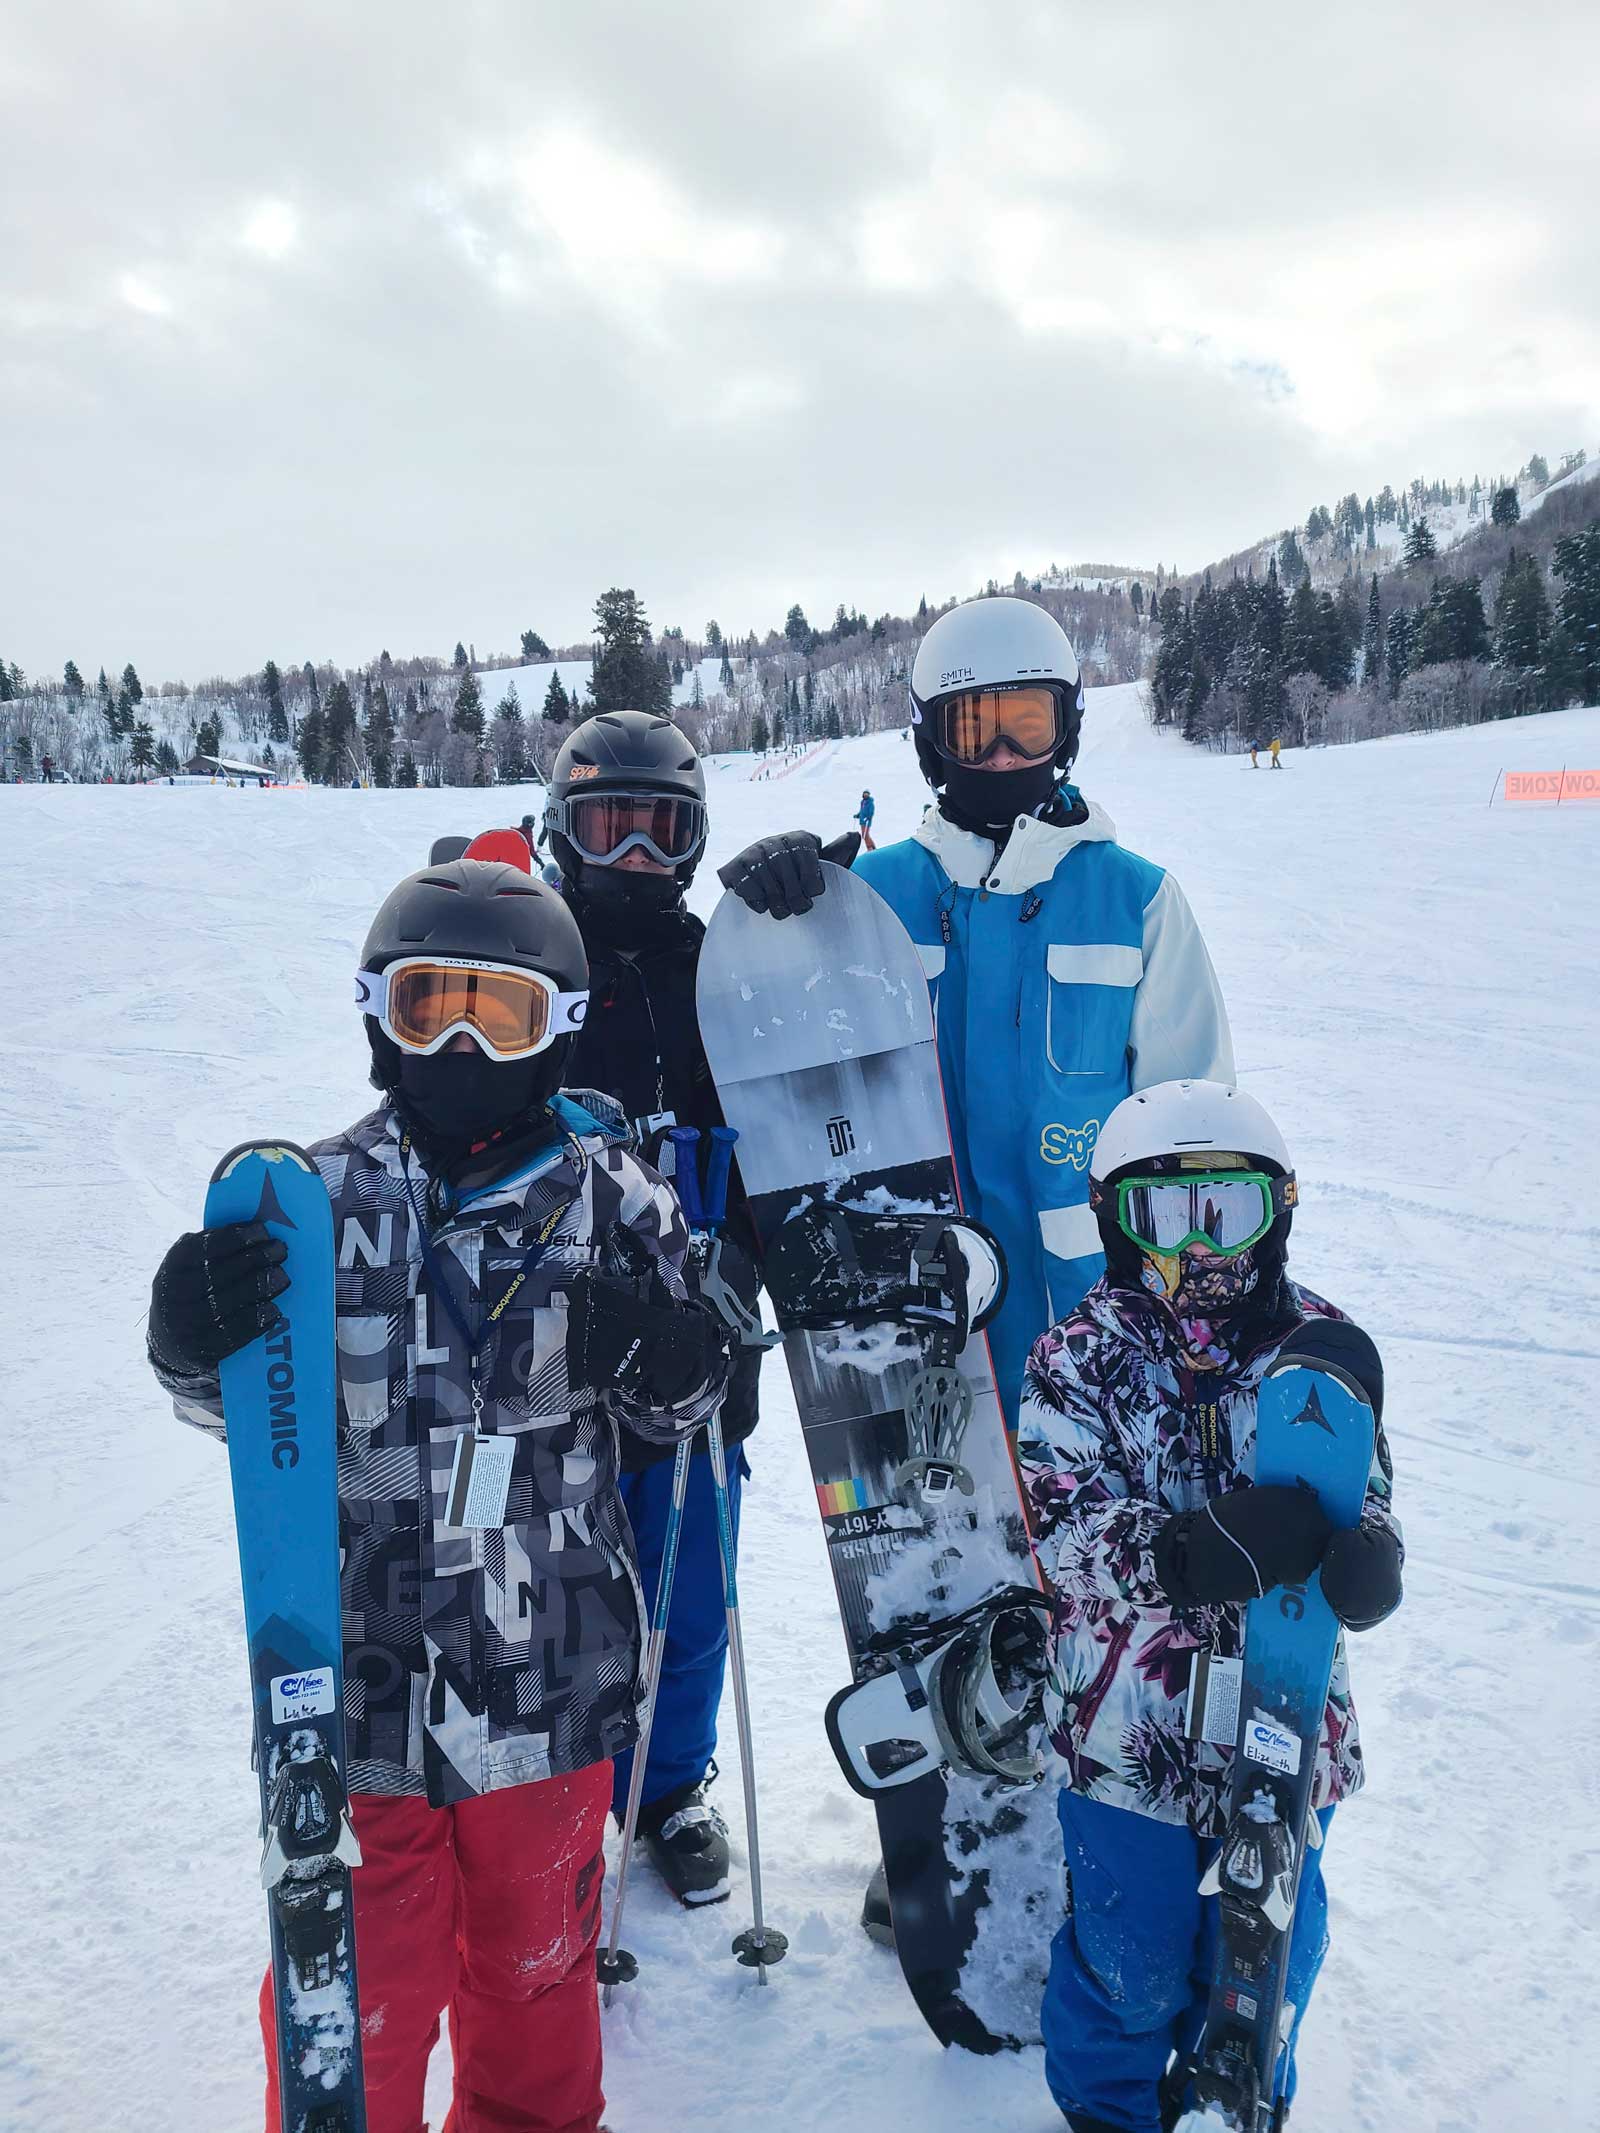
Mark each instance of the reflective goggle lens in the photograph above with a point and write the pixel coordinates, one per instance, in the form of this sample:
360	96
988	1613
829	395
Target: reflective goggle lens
973	724
602	824
1227	1212
510	1008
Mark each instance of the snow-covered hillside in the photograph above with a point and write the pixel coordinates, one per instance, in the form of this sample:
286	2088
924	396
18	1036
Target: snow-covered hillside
1412	980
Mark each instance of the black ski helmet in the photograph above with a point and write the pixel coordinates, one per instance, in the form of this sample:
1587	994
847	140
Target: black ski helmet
479	908
622	751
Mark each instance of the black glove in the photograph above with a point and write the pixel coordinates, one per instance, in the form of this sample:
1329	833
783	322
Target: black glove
1238	1546
781	874
1361	1575
657	1352
213	1294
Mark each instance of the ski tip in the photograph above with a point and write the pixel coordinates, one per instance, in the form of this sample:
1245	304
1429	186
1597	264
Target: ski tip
269	1152
1338	1345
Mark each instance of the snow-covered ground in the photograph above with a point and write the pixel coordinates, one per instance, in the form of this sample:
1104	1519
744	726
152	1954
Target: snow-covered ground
1412	977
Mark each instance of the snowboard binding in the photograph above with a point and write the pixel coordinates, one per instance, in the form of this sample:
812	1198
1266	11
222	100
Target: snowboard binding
838	1266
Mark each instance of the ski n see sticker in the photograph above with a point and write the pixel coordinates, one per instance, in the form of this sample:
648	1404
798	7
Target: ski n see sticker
305	1695
1271	1745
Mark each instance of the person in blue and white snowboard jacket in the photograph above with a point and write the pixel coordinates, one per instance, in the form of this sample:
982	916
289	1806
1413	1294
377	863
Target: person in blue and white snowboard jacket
507	1265
1136	1450
1065	970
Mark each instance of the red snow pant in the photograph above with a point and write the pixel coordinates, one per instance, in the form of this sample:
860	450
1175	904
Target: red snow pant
491	1909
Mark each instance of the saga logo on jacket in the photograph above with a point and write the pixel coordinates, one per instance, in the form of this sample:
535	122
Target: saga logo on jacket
1070	1144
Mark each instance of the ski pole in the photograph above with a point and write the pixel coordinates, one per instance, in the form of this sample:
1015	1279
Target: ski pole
615	1966
760	1944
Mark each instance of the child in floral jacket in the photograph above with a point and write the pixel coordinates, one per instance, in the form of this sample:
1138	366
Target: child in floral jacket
1136	1448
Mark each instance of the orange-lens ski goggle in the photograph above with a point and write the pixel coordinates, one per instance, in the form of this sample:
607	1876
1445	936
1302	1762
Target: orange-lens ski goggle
423	1001
971	726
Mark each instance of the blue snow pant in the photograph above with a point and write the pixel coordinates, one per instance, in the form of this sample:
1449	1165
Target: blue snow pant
1130	1970
685	1734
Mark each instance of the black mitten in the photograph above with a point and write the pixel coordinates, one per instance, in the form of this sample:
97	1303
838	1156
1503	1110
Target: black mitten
1238	1546
1361	1575
213	1294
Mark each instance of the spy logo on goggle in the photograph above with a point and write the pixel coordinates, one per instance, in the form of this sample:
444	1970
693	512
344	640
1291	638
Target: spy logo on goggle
1070	1144
1312	1413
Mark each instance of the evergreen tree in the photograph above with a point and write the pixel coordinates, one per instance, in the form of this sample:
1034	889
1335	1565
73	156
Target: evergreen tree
1521	615
277	717
557	704
777	729
725	672
7	692
1371	523
132	687
626	674
1372	636
1538	470
308	743
1577	564
832	727
758	733
534	646
1452	625
1292	565
1136	596
166	758
1302	633
460	658
1175	659
1337	637
467	715
713	637
308	674
1397	648
380	737
1505	510
208	738
1421	547
406	775
144	745
338	732
798	630
510	738
73	680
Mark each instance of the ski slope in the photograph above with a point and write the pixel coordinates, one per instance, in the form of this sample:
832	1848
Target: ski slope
1412	978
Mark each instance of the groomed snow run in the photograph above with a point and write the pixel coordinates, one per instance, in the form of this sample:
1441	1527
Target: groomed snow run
1412	977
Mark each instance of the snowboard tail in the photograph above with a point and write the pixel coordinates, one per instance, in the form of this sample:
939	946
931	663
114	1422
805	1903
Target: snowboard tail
279	1402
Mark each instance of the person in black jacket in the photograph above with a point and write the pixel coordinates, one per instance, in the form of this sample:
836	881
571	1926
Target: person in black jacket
626	822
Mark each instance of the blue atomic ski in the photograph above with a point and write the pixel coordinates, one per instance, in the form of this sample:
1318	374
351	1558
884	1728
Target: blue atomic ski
1314	1425
279	1400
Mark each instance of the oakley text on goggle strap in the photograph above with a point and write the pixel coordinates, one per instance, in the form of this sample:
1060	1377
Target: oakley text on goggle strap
1227	1210
1030	718
603	825
424	1001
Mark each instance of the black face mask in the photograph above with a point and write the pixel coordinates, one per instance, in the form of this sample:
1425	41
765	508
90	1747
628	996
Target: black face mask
990	800
457	1099
621	908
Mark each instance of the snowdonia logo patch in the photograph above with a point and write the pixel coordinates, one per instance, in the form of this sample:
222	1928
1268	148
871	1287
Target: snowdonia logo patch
1070	1144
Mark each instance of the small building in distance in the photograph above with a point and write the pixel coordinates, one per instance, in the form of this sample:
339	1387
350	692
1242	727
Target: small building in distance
221	766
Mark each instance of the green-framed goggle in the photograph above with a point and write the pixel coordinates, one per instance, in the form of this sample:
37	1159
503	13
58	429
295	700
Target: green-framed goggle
1227	1210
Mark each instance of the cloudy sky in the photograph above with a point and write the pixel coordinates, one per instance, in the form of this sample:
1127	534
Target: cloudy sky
325	328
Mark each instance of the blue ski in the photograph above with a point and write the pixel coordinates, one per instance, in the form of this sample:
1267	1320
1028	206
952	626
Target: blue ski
1314	1426
279	1400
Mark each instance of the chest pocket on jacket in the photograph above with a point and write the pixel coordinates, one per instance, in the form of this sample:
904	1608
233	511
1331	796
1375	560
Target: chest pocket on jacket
1089	1005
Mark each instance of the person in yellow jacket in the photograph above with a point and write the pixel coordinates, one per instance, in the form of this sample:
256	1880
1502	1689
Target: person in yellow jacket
1272	749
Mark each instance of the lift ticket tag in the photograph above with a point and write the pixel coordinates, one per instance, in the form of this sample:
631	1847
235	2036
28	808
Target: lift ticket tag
1212	1711
480	1481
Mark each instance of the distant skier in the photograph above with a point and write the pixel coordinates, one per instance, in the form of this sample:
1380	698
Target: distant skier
864	815
626	822
1255	753
1273	747
500	1250
1136	1447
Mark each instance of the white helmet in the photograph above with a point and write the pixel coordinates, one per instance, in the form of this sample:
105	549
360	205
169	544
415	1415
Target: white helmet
1186	1118
993	643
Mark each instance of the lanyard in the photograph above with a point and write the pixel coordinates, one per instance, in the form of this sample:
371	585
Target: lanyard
475	1343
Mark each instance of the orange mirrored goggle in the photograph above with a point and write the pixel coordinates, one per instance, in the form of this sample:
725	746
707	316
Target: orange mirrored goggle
1031	719
424	1001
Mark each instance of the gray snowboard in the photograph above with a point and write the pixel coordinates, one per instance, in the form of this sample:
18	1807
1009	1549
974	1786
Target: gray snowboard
820	1035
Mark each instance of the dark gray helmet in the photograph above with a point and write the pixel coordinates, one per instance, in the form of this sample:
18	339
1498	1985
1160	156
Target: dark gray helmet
623	751
477	908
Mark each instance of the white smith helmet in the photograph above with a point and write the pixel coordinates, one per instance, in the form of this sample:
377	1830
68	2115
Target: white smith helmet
1186	1118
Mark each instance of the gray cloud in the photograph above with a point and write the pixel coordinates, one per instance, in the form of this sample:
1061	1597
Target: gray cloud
327	329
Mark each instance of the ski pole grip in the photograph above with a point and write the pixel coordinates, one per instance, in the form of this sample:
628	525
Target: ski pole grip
717	1166
686	1173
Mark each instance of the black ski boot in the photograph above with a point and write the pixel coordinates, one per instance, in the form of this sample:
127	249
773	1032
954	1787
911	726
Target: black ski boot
877	1921
687	1841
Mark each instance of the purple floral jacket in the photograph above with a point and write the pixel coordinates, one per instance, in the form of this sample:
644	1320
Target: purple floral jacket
1120	1428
